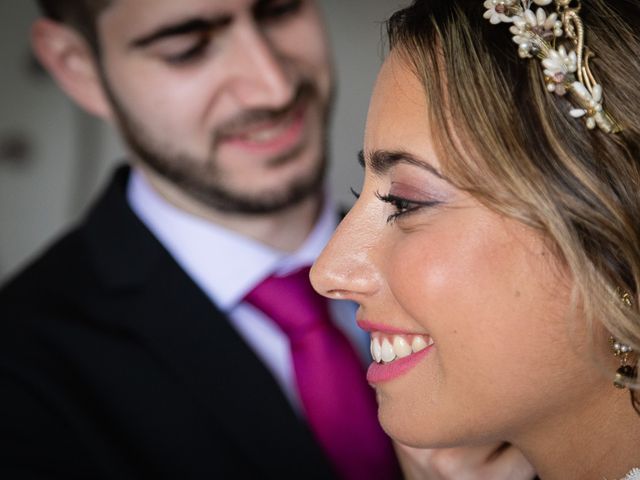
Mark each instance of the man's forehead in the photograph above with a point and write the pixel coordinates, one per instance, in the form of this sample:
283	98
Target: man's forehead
158	8
135	16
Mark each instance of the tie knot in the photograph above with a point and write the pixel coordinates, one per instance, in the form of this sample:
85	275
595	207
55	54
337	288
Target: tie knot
291	302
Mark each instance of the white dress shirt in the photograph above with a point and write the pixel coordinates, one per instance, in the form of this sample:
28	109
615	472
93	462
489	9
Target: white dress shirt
227	266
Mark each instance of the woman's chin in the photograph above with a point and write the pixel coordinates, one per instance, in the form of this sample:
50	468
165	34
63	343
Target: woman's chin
417	431
408	433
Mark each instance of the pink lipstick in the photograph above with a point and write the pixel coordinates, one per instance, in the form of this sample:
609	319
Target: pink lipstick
394	351
383	372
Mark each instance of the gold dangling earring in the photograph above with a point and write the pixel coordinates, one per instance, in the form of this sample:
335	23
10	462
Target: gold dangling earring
626	373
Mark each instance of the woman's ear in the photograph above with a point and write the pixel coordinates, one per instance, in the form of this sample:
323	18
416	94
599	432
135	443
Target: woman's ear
72	63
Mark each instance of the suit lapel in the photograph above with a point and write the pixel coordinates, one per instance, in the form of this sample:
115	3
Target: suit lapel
152	297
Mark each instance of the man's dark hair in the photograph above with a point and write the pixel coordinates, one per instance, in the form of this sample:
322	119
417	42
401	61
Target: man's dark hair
81	15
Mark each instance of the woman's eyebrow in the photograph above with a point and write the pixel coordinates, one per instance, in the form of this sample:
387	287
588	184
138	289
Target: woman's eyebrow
381	161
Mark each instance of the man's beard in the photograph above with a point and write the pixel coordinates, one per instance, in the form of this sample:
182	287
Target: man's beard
205	182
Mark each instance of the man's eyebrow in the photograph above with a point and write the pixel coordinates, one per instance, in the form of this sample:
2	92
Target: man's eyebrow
381	161
191	25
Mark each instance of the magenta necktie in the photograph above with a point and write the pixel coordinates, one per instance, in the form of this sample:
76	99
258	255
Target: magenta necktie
339	405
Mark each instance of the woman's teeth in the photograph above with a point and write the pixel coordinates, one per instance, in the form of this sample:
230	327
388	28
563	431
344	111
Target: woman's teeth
387	349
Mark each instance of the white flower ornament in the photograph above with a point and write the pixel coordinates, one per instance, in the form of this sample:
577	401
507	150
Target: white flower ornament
593	110
502	10
529	27
498	10
633	474
558	66
557	39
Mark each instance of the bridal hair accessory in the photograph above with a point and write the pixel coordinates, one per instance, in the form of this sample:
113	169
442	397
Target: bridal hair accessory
626	373
557	40
633	474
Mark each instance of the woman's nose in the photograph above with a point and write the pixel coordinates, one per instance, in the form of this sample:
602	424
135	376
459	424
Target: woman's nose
347	267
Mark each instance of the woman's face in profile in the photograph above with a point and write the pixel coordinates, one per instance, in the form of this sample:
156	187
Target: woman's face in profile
432	267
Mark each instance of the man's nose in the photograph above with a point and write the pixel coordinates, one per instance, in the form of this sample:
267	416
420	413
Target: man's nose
260	75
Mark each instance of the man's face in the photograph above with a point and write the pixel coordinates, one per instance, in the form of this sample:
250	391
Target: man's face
228	100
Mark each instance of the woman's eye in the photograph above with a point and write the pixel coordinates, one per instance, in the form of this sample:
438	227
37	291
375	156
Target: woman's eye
404	206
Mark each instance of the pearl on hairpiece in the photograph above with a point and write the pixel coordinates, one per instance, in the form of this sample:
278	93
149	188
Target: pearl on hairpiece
498	10
556	39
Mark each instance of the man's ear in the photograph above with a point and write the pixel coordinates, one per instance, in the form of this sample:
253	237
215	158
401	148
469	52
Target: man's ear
72	63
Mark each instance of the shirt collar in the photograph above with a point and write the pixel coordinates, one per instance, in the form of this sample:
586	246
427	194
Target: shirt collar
225	264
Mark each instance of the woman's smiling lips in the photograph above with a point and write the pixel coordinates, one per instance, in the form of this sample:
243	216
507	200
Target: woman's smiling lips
394	351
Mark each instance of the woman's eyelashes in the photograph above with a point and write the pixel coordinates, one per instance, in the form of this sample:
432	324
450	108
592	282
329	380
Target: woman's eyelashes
405	206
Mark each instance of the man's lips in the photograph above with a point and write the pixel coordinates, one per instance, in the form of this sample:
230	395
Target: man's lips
279	134
250	127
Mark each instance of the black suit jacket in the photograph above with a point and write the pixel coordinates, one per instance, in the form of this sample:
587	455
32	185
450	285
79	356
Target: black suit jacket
113	364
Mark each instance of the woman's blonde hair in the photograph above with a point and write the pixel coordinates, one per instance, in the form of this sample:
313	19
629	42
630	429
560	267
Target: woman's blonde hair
508	141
